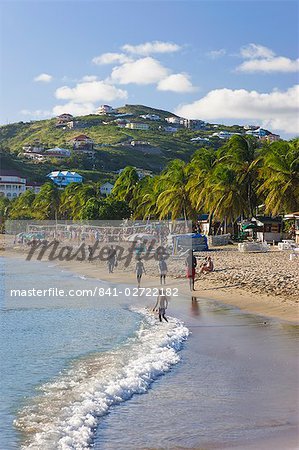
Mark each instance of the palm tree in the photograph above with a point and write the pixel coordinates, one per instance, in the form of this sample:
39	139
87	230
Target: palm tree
145	197
227	198
125	184
46	203
280	177
174	199
240	154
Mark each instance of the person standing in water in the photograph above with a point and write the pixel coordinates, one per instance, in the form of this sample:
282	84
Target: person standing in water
162	270
191	264
162	304
140	269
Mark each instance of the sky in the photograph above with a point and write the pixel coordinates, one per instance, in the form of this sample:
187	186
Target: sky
232	62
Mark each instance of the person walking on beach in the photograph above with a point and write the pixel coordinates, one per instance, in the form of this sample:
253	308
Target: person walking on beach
111	259
191	264
162	270
140	269
162	304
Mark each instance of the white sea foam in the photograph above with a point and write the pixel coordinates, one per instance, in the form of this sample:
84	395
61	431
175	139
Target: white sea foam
69	409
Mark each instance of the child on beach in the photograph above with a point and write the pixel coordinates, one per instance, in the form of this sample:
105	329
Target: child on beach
140	269
162	270
162	304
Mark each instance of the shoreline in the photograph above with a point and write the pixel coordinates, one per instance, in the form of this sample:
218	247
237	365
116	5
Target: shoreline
264	305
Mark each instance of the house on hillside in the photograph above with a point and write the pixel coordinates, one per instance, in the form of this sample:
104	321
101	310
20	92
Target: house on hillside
258	133
63	178
12	184
193	124
33	186
271	138
63	119
35	147
139	143
153	117
105	109
106	188
57	152
82	144
170	129
137	126
174	120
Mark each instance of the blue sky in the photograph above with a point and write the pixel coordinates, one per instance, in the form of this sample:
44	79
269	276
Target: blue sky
220	61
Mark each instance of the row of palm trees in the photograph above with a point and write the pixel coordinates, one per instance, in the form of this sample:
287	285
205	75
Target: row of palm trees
229	183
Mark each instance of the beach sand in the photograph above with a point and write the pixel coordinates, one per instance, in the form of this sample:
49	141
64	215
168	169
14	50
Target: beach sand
260	283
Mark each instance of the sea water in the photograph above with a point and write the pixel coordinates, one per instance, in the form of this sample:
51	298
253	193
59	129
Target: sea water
74	372
66	362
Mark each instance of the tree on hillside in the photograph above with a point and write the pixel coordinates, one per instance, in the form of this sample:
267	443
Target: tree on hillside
279	175
125	184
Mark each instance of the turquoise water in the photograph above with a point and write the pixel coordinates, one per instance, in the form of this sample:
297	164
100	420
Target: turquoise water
71	369
65	362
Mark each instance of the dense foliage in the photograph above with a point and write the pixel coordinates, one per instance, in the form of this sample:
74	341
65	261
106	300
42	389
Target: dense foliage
227	183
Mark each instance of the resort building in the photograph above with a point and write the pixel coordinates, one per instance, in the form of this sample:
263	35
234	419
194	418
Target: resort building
106	188
258	133
12	184
137	126
64	178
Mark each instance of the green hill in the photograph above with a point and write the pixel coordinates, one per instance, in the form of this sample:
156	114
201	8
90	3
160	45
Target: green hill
112	143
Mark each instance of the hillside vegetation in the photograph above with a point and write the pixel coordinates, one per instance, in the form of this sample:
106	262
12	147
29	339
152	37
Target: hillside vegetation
112	144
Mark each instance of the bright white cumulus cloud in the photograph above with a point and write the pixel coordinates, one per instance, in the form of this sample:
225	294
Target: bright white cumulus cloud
142	71
43	78
89	92
277	110
177	82
76	109
262	59
149	48
110	58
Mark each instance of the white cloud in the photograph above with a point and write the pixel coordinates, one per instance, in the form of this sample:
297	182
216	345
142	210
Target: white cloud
277	109
76	109
151	47
44	78
110	58
178	82
143	71
89	78
263	59
277	64
89	92
214	54
253	51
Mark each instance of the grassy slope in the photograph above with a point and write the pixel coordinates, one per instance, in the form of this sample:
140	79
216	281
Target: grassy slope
109	157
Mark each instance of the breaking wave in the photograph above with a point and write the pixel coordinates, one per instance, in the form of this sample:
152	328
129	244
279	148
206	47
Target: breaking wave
68	410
